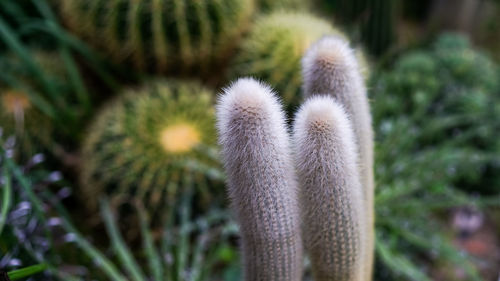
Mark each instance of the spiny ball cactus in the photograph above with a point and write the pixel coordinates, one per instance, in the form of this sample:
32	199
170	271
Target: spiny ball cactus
330	67
150	142
261	181
19	115
160	35
19	118
331	193
274	48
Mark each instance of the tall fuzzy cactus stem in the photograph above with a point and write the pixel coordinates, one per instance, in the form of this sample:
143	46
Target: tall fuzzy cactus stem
261	181
330	67
331	198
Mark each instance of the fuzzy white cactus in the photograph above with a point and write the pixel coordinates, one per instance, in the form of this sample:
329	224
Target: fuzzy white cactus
330	67
331	195
261	181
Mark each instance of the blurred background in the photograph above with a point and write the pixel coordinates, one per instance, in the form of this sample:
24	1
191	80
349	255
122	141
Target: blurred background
109	166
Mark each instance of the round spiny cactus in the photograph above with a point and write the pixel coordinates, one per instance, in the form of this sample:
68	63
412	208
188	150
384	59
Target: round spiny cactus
19	115
274	49
160	35
20	119
149	143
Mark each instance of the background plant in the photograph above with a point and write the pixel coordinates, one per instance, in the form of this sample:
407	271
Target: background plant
435	108
423	169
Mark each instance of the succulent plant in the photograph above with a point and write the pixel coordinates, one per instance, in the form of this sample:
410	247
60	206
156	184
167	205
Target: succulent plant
18	118
261	181
333	159
150	142
330	67
20	114
333	211
274	48
160	35
455	86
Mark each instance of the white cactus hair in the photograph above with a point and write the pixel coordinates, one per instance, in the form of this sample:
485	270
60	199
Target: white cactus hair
261	181
330	67
331	195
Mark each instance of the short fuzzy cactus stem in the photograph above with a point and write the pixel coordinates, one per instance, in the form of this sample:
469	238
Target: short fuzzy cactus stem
330	67
261	181
330	195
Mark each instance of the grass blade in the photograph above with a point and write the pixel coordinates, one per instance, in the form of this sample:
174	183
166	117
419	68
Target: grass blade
121	249
27	271
154	259
100	259
399	263
11	40
6	198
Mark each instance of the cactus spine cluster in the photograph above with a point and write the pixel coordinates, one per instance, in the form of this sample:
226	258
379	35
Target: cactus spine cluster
159	35
330	67
333	162
150	142
261	181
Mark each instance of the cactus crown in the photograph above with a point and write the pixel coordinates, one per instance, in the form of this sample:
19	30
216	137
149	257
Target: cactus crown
179	138
333	159
15	102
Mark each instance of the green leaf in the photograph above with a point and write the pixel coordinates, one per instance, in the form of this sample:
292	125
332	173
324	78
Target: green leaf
27	271
399	263
121	249
6	197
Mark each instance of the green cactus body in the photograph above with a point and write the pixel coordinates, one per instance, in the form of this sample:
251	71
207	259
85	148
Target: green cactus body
19	116
274	48
160	35
331	192
270	5
150	142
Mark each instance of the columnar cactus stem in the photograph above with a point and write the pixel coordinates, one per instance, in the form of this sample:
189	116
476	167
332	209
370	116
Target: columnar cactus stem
330	67
261	181
331	195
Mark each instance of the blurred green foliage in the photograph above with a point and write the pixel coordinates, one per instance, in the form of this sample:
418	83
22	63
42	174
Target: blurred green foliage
435	116
435	124
447	99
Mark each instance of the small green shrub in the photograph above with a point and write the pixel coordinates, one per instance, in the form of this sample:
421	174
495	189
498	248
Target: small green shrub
448	97
434	121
